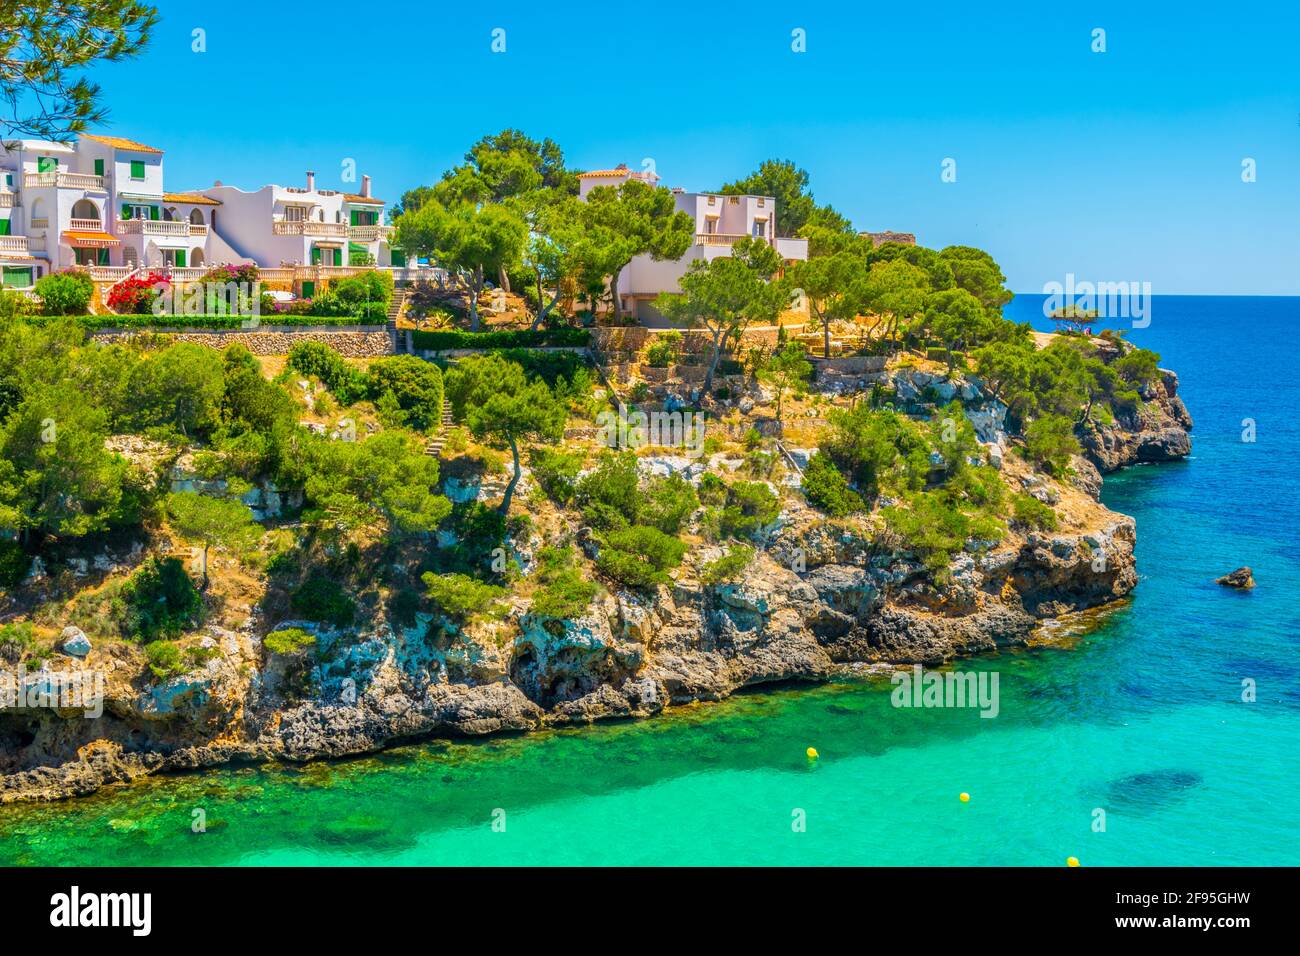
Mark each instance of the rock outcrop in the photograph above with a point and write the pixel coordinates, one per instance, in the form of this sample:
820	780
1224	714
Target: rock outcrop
1242	578
1156	431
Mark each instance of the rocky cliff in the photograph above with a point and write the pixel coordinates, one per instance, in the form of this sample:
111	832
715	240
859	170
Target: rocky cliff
823	595
1156	431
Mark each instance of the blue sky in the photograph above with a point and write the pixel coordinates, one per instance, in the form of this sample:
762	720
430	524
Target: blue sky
1118	165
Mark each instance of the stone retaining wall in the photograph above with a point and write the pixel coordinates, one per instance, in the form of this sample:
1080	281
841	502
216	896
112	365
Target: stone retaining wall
351	342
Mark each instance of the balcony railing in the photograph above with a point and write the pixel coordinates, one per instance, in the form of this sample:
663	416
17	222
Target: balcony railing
65	180
8	200
85	225
718	238
20	244
154	227
282	227
198	228
369	233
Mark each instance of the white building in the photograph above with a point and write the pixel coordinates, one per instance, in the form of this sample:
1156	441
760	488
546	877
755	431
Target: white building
304	225
98	202
719	222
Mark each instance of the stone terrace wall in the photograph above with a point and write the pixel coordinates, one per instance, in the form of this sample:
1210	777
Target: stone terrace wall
365	341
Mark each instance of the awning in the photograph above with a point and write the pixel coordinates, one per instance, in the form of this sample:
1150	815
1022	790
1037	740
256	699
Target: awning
327	243
164	243
140	197
91	240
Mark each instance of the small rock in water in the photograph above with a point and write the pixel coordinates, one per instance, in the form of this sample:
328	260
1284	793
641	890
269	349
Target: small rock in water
1241	578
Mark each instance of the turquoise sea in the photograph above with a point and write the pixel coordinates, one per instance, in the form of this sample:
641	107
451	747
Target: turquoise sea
1141	717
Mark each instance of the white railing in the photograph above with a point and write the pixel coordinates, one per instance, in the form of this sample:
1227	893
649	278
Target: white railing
64	180
369	233
20	244
718	238
153	227
8	200
85	225
42	223
112	274
198	229
281	227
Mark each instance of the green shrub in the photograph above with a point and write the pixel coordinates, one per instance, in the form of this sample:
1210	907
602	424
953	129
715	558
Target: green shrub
729	567
1032	513
667	503
65	293
750	507
415	384
373	287
320	599
14	564
1050	441
288	641
461	597
639	556
158	601
564	592
556	472
610	494
17	641
933	526
712	490
826	488
315	358
665	350
403	606
164	659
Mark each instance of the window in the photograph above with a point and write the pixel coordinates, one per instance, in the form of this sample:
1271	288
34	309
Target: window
293	213
137	169
761	202
99	167
760	228
733	200
47	164
137	212
713	200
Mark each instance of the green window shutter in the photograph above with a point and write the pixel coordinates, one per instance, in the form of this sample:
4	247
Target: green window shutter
99	167
354	217
137	169
126	211
338	257
315	255
180	258
4	227
308	290
153	213
102	257
399	258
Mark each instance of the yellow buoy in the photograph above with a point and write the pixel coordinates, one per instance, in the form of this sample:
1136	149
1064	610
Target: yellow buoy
1072	861
965	798
812	753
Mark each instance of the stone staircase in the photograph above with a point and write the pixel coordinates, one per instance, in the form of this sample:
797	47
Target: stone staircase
397	304
436	443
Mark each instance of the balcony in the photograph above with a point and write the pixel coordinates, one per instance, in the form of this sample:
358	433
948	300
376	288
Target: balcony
8	200
718	238
156	227
86	225
65	181
20	245
369	233
282	227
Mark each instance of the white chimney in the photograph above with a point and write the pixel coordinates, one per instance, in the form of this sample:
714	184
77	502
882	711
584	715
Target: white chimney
365	186
311	181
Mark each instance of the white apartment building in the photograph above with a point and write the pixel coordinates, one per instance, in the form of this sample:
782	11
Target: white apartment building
98	202
304	226
719	222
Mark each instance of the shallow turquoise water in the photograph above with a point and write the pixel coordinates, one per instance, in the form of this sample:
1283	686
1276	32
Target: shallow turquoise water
1142	718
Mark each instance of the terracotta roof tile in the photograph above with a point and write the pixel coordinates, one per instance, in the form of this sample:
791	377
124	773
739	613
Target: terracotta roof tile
118	142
